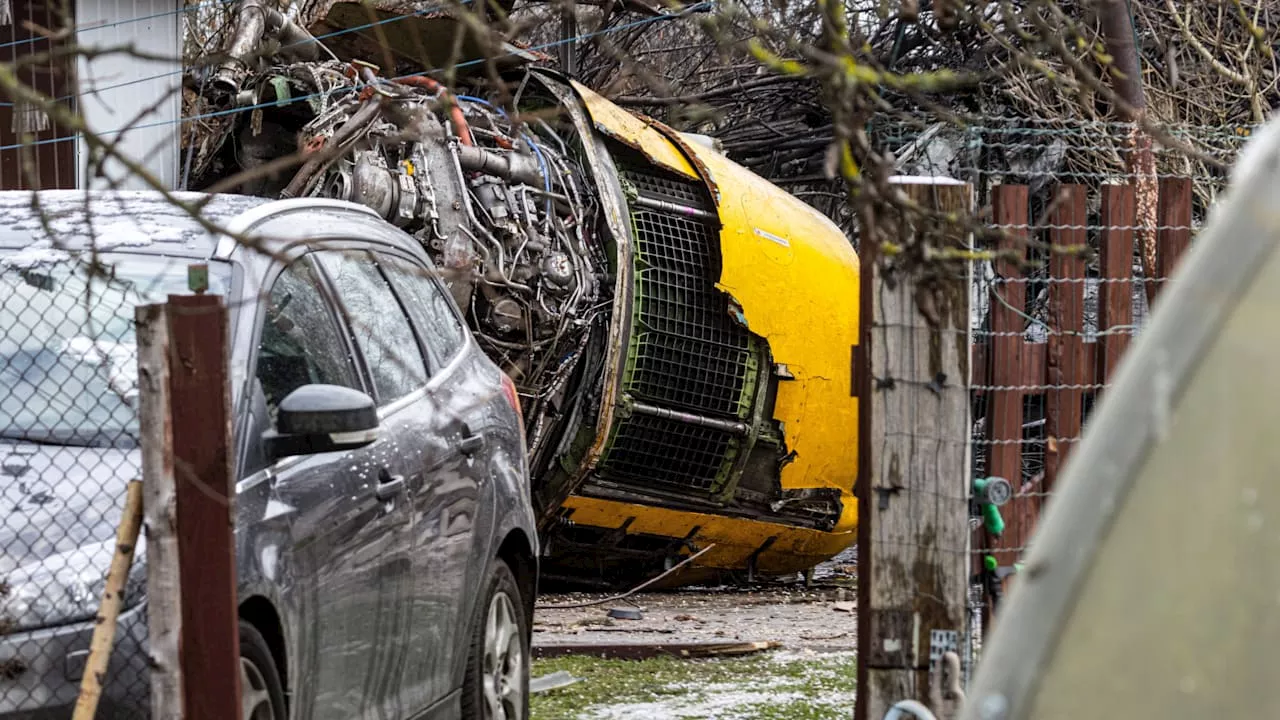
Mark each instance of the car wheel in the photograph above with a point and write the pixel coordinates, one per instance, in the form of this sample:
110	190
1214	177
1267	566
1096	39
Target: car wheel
496	683
261	692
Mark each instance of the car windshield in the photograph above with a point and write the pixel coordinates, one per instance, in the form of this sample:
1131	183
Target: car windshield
68	358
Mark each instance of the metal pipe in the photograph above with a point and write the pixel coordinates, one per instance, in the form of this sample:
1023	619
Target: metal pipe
253	21
295	38
251	25
730	426
553	195
455	113
513	166
466	203
670	207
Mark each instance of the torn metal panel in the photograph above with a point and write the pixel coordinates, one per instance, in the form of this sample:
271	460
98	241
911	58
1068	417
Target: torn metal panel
633	130
389	31
554	681
704	172
793	467
763	231
736	539
615	219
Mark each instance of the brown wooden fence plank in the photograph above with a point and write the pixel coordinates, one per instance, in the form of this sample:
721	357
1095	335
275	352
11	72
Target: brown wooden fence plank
1064	403
200	406
1174	235
1034	376
1115	294
1005	352
1004	407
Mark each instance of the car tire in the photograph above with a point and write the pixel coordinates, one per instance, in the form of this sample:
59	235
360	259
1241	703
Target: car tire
261	692
496	683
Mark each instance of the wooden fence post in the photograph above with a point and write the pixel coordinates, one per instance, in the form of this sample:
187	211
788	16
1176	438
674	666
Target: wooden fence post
1115	293
200	404
1174	236
1064	401
914	565
164	600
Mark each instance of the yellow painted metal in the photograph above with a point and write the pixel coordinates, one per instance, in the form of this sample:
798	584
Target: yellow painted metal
796	277
632	130
736	539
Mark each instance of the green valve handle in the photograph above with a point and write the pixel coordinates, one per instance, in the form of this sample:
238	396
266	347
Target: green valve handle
992	519
991	493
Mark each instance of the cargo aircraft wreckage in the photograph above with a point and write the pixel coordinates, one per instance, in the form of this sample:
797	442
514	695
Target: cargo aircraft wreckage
680	330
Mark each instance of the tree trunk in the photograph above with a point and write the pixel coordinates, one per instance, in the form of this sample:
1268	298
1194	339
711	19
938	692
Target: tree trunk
1126	79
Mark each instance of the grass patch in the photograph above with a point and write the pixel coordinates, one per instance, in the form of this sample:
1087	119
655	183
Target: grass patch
775	686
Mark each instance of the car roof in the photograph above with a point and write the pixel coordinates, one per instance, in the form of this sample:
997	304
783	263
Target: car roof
133	221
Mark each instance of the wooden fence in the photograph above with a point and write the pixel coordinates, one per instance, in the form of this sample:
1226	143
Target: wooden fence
1065	373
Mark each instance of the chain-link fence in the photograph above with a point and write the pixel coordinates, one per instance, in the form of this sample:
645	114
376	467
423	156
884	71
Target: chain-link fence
69	447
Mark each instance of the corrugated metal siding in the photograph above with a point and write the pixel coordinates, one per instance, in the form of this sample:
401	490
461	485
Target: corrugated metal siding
123	92
49	161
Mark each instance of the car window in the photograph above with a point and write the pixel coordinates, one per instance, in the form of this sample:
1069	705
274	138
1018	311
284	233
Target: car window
442	332
381	329
68	355
301	342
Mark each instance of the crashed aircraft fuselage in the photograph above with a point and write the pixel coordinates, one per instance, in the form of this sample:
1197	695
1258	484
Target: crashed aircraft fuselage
680	330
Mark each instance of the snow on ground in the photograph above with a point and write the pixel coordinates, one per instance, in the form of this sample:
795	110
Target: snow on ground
802	685
722	702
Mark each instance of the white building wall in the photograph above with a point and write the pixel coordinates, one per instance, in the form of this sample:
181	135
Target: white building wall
124	98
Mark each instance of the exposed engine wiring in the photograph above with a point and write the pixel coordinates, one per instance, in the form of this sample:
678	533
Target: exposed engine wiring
504	206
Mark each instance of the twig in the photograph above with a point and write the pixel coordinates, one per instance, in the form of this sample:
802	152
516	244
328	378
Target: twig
104	631
634	590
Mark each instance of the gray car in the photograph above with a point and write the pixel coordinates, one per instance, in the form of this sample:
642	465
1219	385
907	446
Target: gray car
392	577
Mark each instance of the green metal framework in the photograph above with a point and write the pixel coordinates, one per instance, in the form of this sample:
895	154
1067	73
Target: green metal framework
692	373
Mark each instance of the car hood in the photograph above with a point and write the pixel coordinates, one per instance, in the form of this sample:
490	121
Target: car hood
56	499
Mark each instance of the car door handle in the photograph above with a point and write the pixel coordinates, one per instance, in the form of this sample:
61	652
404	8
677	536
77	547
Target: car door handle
389	486
471	443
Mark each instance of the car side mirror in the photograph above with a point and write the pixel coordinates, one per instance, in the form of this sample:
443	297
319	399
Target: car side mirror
322	418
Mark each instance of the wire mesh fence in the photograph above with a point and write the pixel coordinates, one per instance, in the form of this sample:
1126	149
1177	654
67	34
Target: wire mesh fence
1064	278
69	446
988	151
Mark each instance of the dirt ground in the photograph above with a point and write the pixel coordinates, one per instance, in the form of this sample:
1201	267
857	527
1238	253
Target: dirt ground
818	619
783	610
807	674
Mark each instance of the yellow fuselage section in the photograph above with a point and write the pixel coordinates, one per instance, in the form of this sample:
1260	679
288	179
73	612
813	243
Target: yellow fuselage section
794	275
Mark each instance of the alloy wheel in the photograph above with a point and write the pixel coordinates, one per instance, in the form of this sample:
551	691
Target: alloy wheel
504	660
255	700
